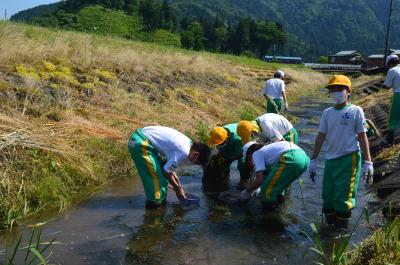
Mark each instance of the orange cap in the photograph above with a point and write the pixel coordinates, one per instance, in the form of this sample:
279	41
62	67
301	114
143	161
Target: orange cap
244	130
217	136
340	80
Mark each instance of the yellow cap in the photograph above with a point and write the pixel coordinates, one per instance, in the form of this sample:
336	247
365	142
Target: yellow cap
340	80
244	130
217	136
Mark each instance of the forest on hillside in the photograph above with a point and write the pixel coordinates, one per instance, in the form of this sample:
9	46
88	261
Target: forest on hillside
157	21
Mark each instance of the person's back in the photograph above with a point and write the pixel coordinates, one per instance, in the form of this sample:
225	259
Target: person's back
274	126
274	88
393	79
174	145
274	93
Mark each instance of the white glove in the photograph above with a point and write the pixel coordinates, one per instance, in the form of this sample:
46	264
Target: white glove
286	106
245	195
312	169
256	193
369	171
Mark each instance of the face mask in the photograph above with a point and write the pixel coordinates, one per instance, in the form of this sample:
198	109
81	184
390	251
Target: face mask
338	97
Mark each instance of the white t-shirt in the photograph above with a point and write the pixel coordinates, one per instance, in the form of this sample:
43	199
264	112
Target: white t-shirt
274	126
173	145
270	154
341	127
393	79
274	88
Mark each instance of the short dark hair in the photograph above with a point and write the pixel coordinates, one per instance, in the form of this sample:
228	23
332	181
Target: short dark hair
204	152
394	61
253	148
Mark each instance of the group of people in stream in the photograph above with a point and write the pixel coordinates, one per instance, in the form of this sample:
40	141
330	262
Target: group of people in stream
266	149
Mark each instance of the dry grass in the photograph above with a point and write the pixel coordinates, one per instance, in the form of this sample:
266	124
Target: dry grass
69	101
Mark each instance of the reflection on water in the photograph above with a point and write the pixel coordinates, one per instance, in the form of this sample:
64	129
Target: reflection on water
113	227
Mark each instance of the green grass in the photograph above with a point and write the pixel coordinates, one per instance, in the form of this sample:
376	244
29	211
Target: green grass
33	252
44	180
382	248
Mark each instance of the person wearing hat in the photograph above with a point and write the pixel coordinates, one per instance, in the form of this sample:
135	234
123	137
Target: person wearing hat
393	81
274	93
276	166
342	129
268	127
148	145
230	148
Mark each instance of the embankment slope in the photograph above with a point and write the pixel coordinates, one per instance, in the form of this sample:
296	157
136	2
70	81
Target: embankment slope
69	101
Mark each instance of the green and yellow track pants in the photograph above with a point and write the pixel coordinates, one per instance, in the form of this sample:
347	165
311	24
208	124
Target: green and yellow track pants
271	108
341	177
148	163
292	136
292	164
394	115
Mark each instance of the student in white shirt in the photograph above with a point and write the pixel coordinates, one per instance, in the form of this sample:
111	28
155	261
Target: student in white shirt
276	166
342	129
149	145
274	93
393	81
268	127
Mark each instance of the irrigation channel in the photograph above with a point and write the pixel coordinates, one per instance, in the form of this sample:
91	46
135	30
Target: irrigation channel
113	226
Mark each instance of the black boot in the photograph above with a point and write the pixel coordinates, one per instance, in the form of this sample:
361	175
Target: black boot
390	138
342	220
330	216
155	204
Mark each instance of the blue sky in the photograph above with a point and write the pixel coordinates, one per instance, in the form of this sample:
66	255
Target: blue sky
14	6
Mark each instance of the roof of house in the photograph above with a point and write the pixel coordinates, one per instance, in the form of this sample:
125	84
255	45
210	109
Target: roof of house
282	57
376	56
345	53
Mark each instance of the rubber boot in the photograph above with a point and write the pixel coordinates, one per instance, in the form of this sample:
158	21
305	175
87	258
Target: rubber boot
342	220
154	204
270	206
330	216
390	138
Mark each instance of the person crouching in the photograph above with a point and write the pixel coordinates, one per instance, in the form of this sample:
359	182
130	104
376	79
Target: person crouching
276	166
148	145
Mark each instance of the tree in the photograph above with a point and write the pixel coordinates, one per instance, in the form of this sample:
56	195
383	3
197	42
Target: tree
221	39
266	35
194	37
131	6
240	39
168	18
150	14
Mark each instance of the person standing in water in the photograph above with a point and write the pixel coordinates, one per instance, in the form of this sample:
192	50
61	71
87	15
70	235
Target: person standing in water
393	81
342	129
274	93
148	145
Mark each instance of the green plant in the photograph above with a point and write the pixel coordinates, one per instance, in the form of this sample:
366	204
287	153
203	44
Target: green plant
202	132
34	251
248	113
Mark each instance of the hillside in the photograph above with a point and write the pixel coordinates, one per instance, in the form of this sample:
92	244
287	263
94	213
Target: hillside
326	26
69	101
314	28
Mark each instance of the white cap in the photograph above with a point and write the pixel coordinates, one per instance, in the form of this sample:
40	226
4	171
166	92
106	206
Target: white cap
390	57
246	147
279	74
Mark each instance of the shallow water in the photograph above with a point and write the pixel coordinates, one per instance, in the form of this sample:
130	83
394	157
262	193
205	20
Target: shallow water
113	226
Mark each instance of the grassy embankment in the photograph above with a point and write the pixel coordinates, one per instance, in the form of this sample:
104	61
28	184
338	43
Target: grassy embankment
69	101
